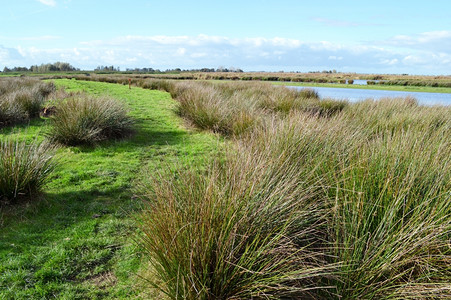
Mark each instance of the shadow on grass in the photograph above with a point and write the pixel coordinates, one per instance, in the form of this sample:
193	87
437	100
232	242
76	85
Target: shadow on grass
65	238
145	135
142	139
20	127
54	211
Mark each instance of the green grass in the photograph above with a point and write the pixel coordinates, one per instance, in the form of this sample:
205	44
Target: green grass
425	89
75	240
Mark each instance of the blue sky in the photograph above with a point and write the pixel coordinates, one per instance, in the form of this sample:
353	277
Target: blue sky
380	36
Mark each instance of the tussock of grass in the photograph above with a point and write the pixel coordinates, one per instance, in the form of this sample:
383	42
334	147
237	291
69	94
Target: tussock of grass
208	107
389	202
392	207
84	119
155	84
21	99
235	108
24	168
249	227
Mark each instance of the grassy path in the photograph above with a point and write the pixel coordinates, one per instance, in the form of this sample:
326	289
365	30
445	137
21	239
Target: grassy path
76	242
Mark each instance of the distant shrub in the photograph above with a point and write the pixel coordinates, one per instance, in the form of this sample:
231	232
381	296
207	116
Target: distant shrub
270	78
350	81
24	168
84	119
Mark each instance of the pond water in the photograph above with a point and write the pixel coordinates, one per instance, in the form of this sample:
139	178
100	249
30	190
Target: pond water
354	95
362	82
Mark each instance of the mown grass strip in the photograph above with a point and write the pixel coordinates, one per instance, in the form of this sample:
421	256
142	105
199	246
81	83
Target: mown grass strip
75	241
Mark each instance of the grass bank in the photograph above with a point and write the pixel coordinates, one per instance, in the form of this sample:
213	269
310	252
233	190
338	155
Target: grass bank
74	241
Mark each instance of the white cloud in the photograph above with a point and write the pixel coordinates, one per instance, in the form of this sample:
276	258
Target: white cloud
48	2
198	55
433	41
251	54
389	62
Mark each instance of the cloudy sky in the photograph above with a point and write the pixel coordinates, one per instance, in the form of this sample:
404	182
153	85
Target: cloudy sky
380	36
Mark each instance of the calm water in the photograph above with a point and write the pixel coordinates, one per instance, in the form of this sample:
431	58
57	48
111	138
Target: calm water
354	95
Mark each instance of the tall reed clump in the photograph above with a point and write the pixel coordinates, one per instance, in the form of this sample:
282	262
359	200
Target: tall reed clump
388	201
83	119
21	99
249	227
391	198
282	99
211	107
392	218
24	168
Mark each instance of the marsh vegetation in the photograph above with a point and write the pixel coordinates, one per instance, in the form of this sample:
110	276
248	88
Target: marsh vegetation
316	199
311	198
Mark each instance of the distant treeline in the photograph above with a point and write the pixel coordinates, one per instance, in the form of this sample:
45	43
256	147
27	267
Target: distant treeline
67	67
167	71
43	68
232	73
